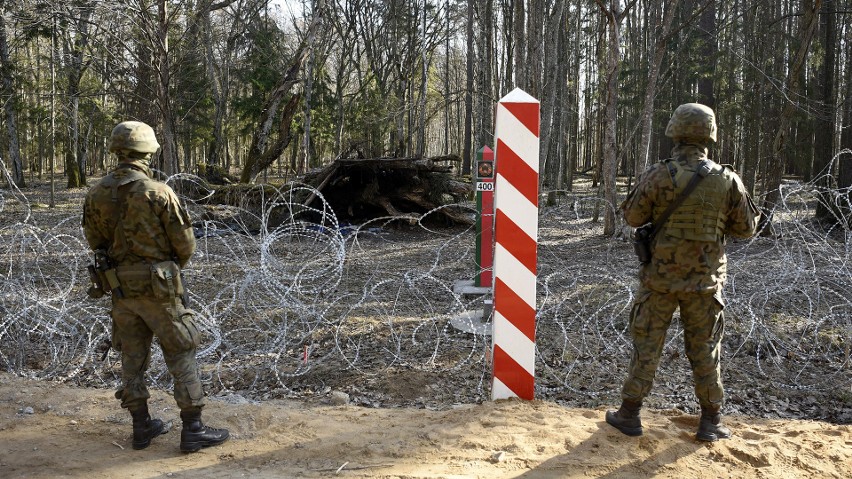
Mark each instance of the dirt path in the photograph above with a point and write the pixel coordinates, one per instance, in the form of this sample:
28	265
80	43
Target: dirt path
49	430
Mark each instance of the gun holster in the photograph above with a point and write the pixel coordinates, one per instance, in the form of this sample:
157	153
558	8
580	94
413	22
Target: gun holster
104	277
642	243
96	290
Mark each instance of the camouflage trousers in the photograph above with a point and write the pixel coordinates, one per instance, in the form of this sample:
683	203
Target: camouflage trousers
703	327
136	321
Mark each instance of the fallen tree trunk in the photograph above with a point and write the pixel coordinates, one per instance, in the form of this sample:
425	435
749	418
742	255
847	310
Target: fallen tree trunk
359	189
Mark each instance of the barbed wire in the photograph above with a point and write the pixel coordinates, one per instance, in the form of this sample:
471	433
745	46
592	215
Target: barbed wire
292	300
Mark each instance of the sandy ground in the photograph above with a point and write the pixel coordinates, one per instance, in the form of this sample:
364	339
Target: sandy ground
49	430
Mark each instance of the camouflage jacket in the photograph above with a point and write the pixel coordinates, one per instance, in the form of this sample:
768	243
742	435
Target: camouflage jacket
683	265
154	225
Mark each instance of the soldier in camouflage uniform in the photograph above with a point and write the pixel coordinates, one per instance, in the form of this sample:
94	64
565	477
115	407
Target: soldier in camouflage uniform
687	270
147	236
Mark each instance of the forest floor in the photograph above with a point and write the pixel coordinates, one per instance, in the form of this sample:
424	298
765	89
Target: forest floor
54	429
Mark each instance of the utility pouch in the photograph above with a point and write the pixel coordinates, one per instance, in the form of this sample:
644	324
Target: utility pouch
642	238
186	322
184	333
165	281
135	280
96	290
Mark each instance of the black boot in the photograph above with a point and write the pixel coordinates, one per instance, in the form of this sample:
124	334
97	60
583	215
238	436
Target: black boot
626	419
145	428
196	435
710	426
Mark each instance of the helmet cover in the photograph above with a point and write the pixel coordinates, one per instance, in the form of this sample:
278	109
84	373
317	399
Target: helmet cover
133	136
694	121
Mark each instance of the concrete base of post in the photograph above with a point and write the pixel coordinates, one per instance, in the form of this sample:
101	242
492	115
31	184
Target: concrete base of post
467	287
473	321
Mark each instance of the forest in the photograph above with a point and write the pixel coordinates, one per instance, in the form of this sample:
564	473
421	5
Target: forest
280	87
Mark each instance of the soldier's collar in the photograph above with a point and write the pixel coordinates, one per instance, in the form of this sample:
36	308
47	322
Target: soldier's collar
690	151
137	165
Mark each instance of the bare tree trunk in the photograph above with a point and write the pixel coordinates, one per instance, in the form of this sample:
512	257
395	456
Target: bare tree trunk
75	50
344	25
169	160
468	94
844	175
53	61
520	43
752	145
8	80
614	15
642	159
846	131
306	113
824	123
534	56
421	115
554	78
447	80
773	193
84	148
709	50
576	149
557	145
486	97
142	103
72	168
218	90
508	54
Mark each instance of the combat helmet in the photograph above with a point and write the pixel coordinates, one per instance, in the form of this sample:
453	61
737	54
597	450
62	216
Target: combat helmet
693	121
133	136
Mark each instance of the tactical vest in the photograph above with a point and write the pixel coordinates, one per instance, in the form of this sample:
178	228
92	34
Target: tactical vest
701	216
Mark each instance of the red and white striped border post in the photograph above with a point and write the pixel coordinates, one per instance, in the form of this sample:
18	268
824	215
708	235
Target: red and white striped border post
516	231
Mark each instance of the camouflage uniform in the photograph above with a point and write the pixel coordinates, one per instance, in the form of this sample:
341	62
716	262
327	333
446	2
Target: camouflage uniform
147	236
688	267
154	230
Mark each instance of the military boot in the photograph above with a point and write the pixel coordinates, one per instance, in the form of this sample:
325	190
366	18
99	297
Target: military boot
626	419
710	426
145	428
196	435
